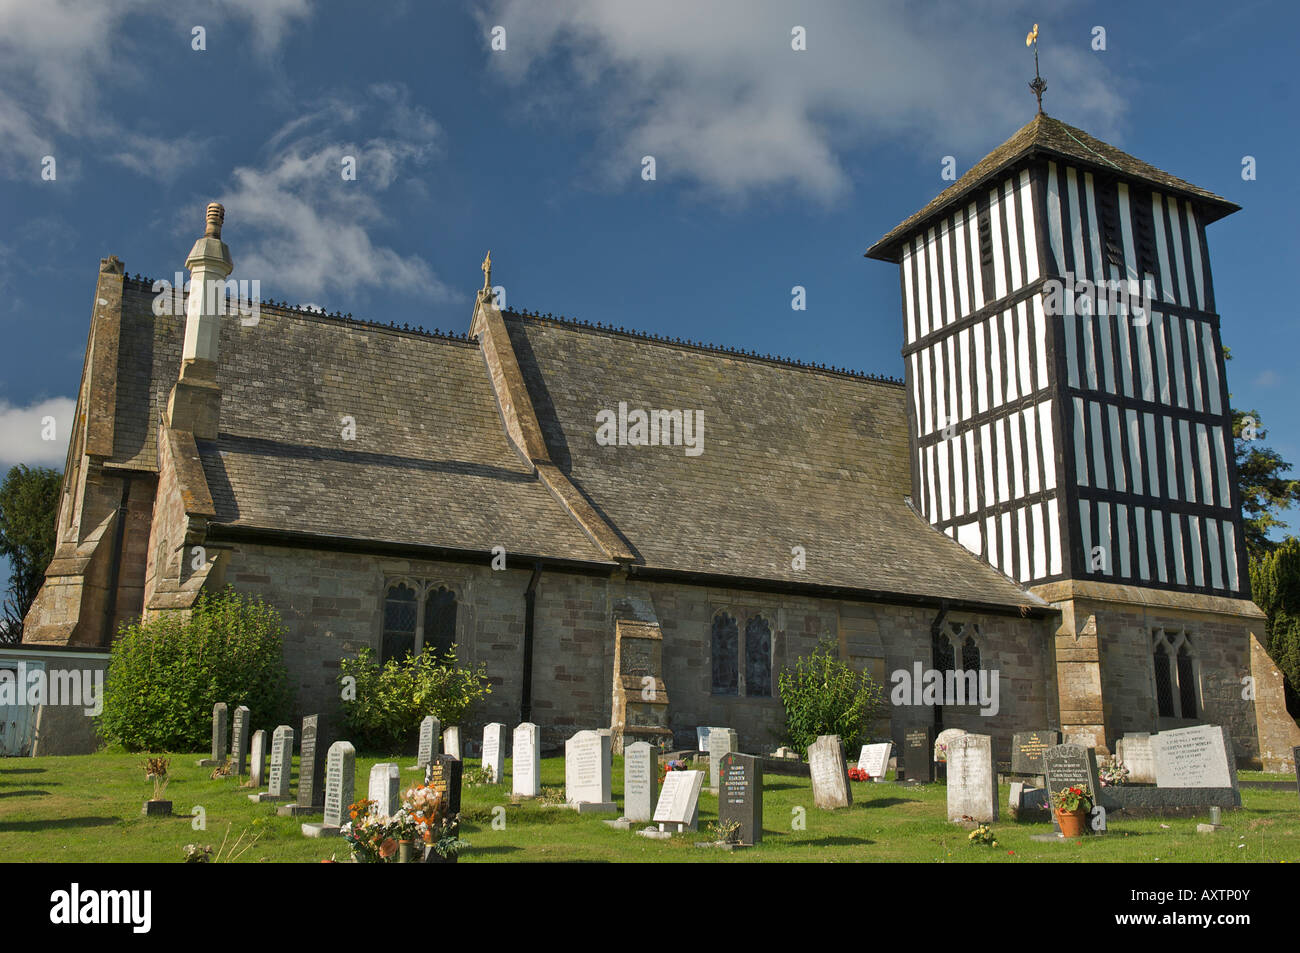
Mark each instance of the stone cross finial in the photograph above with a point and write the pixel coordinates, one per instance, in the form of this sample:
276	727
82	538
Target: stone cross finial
487	271
216	215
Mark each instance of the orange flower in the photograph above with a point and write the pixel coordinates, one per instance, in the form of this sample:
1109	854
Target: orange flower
388	848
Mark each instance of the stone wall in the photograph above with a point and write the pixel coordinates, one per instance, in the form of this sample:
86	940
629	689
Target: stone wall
332	606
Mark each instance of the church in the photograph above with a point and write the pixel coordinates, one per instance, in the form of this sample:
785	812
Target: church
640	533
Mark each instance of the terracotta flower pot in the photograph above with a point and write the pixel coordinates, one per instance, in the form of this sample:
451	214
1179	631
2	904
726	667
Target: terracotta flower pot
1072	822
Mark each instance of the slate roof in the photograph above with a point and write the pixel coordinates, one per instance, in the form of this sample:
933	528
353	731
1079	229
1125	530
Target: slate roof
1047	135
792	456
430	464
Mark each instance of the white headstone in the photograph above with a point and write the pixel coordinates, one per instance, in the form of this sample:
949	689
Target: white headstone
494	751
640	780
1137	751
430	735
829	773
451	742
281	763
679	800
943	741
385	788
874	759
340	790
721	741
525	761
587	765
972	782
1196	757
702	738
257	772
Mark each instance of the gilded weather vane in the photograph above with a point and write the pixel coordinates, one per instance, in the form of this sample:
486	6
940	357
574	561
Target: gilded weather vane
1038	86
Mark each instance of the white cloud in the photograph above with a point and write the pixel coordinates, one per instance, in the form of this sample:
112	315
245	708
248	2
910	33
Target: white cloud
23	431
296	223
715	92
58	56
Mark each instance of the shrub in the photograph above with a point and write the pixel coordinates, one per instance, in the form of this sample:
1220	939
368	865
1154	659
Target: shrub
165	675
823	695
1275	587
385	706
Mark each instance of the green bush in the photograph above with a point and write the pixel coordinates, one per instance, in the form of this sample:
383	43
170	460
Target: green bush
1275	587
164	676
823	695
385	705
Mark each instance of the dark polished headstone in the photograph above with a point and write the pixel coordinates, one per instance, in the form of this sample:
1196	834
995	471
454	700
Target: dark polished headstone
1070	766
1295	756
443	773
918	754
740	795
1027	749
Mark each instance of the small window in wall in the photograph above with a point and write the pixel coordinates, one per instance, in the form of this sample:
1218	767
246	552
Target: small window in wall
941	651
1177	674
440	620
758	657
970	655
399	622
726	663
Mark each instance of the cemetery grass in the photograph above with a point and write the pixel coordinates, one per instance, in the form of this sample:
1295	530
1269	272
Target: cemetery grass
87	809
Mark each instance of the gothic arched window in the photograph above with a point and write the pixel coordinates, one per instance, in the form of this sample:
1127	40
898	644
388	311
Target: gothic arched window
400	608
726	662
758	657
440	621
1177	693
970	655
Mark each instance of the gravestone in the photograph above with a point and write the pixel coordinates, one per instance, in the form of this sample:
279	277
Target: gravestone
918	755
451	741
740	796
874	759
829	773
1196	757
525	761
702	739
494	751
721	741
587	773
1027	749
1295	760
943	741
281	767
640	780
1070	765
385	788
239	740
257	760
340	789
218	757
1137	751
679	801
443	773
311	770
972	781
430	736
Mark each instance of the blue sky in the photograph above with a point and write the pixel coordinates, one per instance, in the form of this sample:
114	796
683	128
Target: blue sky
774	168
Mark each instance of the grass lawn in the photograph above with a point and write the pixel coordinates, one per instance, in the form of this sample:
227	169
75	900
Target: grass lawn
87	808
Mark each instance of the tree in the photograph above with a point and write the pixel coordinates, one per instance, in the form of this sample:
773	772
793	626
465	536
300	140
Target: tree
29	506
1260	482
1275	586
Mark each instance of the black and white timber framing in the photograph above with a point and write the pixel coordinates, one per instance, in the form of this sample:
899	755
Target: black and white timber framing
1086	441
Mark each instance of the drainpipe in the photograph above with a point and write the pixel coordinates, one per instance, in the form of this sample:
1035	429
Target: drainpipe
114	567
530	599
936	627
